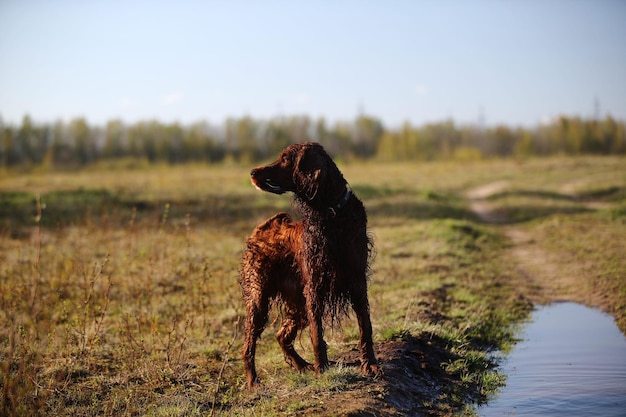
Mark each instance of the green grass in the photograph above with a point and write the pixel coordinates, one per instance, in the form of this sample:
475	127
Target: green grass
120	296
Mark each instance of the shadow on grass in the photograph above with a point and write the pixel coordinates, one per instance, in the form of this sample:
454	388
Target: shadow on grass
608	193
614	194
419	210
526	213
101	207
18	210
547	195
108	209
521	206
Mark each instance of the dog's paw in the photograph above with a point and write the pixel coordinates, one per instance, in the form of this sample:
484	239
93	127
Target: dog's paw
321	368
301	365
254	384
372	370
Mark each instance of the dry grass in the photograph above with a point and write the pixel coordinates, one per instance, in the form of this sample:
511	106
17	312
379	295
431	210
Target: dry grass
120	297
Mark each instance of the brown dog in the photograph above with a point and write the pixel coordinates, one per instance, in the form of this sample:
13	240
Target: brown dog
314	268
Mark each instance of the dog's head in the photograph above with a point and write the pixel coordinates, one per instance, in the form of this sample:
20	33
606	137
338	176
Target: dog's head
302	168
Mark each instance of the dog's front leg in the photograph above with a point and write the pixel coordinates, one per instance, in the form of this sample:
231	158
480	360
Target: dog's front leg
360	304
315	312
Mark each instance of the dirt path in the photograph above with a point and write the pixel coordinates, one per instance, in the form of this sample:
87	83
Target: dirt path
547	278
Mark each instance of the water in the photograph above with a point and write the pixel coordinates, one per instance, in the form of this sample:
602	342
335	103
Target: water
571	362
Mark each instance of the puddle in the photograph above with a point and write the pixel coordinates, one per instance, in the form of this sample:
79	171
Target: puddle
571	362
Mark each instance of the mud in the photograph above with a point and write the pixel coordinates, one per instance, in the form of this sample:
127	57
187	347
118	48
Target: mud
412	383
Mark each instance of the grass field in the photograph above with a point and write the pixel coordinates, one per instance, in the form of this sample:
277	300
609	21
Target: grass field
119	294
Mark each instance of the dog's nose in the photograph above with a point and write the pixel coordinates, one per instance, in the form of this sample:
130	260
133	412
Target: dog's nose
252	172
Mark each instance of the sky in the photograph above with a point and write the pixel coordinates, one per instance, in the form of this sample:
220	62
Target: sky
517	62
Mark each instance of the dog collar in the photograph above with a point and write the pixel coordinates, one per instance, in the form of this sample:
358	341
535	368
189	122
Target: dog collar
334	209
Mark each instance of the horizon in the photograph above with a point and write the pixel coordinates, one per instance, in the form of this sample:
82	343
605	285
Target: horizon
221	124
519	63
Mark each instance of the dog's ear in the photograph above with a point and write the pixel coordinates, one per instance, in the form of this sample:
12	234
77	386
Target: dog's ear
310	172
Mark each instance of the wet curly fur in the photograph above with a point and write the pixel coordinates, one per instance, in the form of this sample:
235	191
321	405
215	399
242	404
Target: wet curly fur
314	268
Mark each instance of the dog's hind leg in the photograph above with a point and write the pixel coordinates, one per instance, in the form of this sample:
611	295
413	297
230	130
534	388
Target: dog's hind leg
256	318
286	336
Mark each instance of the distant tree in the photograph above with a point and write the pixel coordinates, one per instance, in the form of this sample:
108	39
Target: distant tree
574	136
9	156
614	136
322	135
145	141
158	141
437	140
31	142
340	138
83	140
24	140
134	147
501	141
367	134
557	135
114	140
61	151
473	137
3	155
245	131
194	143
247	140
275	138
174	137
525	146
231	144
409	142
387	149
399	145
299	129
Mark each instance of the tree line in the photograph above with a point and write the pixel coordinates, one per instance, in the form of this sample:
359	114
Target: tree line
76	143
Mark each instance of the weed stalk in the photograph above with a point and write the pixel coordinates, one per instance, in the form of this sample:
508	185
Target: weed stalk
224	361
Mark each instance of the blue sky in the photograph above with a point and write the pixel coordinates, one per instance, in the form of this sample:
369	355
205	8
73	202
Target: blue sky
515	62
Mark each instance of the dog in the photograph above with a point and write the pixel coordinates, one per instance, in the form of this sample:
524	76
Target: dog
314	268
